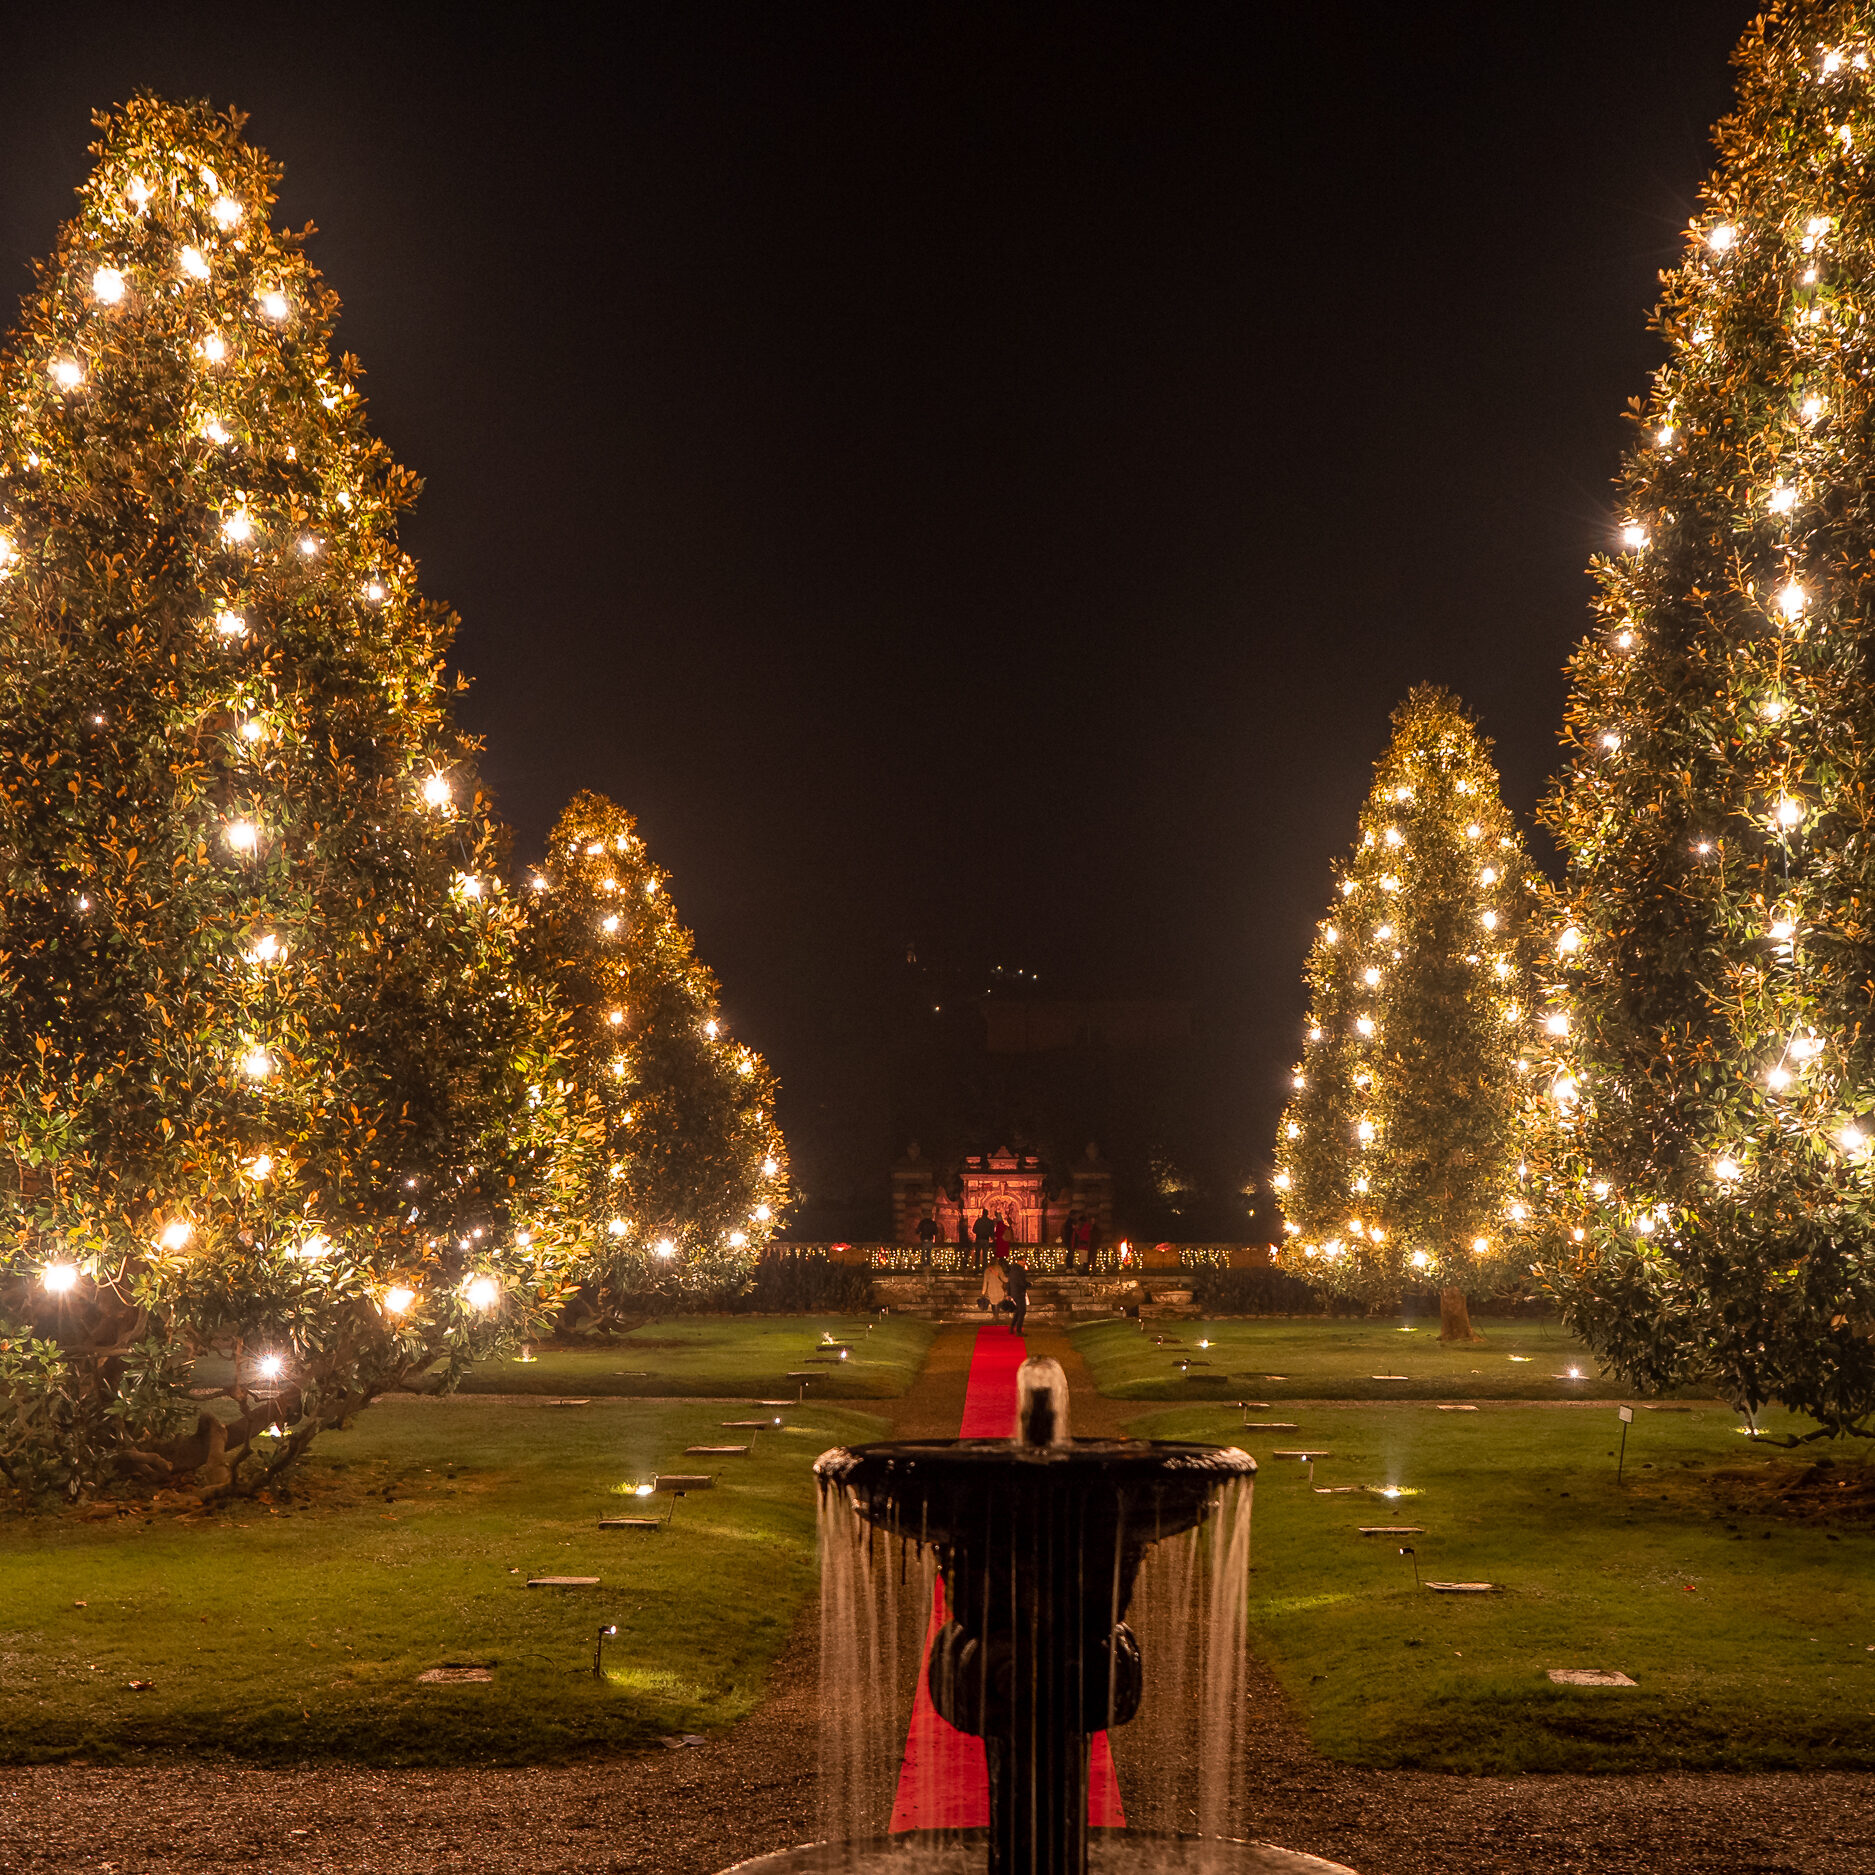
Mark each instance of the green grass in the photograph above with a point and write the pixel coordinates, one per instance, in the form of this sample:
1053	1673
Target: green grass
296	1629
1745	1617
1327	1359
708	1356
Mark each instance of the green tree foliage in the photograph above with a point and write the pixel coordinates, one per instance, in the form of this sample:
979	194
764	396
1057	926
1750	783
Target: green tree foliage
1713	1196
271	1088
1398	1154
681	1176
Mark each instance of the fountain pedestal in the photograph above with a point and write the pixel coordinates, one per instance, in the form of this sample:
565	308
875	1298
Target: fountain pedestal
1035	1658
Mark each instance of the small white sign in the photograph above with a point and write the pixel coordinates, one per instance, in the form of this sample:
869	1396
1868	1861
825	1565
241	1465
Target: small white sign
1627	1415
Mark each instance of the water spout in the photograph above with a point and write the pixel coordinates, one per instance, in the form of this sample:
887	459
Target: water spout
1042	1405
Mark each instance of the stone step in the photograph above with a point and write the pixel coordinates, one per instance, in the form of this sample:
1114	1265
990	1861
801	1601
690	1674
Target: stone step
951	1297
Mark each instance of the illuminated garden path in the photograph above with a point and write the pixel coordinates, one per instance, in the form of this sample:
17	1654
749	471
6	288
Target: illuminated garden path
944	1781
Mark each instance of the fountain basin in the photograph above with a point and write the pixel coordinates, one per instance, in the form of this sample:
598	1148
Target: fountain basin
1039	1545
940	1491
1109	1852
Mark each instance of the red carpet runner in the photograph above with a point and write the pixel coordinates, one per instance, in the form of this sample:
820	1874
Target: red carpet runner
944	1783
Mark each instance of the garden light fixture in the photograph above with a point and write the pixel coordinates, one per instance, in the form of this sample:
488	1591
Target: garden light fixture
598	1651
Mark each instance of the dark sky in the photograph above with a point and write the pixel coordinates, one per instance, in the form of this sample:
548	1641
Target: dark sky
980	475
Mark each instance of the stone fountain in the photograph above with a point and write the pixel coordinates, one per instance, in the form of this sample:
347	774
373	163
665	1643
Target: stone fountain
1039	1540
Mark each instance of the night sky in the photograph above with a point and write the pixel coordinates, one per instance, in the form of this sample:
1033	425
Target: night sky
977	478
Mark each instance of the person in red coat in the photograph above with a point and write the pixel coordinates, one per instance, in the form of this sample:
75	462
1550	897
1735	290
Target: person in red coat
999	1242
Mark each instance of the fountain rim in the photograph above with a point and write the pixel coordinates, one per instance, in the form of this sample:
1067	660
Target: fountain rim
1255	1855
1172	1454
1119	1460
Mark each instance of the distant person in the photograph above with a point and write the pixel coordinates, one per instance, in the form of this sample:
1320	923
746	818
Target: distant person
1067	1239
1017	1277
982	1230
927	1236
1083	1244
995	1288
999	1240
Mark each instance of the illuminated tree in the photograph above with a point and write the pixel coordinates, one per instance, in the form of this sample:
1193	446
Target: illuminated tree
271	1088
1398	1155
680	1176
1713	1196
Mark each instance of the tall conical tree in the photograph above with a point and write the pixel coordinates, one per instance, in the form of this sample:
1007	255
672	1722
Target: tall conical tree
265	1065
1398	1156
682	1175
1714	1193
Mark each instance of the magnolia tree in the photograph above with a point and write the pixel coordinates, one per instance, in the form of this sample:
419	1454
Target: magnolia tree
1398	1156
1711	1189
273	1094
677	1176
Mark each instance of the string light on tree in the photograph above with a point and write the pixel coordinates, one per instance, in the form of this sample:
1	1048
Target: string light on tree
1412	1101
140	1047
674	1119
1717	875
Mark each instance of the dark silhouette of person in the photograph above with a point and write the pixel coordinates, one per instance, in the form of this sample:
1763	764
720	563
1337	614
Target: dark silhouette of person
927	1236
1018	1279
983	1230
1067	1239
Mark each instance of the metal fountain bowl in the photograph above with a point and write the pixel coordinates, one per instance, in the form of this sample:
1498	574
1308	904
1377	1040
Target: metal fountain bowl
941	1491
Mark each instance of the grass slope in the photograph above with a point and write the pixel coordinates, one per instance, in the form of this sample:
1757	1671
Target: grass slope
296	1629
708	1356
1338	1360
1743	1612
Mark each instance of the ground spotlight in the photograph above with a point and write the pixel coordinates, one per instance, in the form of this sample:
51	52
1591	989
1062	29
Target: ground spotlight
598	1650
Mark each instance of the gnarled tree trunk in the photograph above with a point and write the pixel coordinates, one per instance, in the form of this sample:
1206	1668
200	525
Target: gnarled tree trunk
1454	1316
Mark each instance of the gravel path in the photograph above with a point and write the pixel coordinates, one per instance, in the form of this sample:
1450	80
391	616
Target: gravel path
693	1811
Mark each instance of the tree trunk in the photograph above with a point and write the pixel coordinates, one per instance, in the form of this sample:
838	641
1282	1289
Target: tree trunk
1454	1316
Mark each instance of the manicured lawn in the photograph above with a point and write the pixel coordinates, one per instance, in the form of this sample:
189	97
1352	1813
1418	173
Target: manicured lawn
1746	1618
297	1630
1339	1360
707	1356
